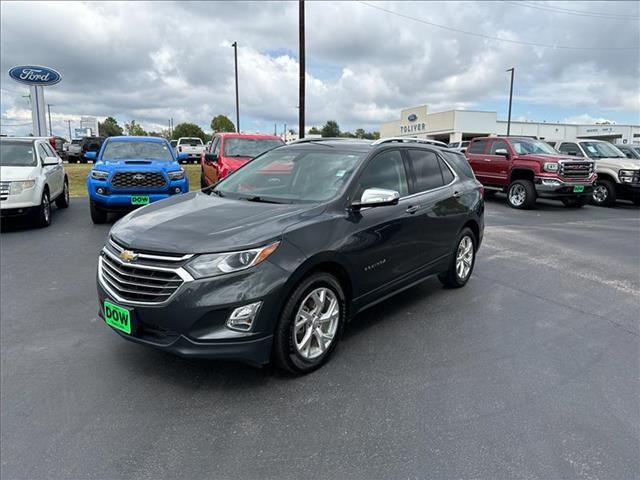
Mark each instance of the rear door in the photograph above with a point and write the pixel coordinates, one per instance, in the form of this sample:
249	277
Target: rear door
497	166
475	153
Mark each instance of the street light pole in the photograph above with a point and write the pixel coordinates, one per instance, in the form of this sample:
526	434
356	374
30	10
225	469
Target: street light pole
50	128
512	70
69	123
302	66
235	57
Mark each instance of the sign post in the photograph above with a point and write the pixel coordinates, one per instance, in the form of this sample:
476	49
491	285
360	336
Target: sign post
36	77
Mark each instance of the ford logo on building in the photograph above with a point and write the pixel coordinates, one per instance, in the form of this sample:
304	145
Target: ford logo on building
412	118
35	75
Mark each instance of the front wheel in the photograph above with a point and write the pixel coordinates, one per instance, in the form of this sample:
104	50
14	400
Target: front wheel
310	324
521	194
98	215
63	200
604	193
462	262
575	202
43	218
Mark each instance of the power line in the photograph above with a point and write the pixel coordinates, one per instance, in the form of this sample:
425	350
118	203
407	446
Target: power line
580	13
489	37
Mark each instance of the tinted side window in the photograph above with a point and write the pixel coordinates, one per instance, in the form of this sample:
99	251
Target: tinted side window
216	146
42	152
386	170
459	163
426	169
477	147
497	144
570	148
447	175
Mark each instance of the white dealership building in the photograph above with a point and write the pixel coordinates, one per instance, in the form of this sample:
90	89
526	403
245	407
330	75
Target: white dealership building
457	125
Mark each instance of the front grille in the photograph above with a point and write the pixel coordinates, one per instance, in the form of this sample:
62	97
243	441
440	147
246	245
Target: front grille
4	190
138	180
576	170
138	283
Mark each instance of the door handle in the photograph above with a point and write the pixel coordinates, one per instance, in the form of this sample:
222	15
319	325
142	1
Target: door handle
413	209
486	159
457	194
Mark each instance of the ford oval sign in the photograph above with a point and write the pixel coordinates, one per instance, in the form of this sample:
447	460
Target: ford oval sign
35	75
412	118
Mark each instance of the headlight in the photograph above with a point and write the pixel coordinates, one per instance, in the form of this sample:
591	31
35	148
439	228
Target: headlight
551	167
213	264
177	175
629	176
628	173
18	187
99	175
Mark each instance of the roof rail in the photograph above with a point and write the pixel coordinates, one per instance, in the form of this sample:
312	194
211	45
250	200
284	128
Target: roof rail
428	141
321	139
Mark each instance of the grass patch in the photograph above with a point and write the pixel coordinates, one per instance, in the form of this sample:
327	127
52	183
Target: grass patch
77	173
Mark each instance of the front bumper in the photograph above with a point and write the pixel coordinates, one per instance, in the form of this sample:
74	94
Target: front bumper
630	191
554	187
121	200
192	322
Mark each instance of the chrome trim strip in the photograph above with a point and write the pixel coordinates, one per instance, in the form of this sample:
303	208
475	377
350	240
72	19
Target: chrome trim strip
182	273
148	256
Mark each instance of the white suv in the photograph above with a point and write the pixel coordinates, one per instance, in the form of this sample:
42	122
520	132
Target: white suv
31	176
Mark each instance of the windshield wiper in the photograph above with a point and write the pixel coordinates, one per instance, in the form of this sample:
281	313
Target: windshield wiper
217	192
258	199
235	156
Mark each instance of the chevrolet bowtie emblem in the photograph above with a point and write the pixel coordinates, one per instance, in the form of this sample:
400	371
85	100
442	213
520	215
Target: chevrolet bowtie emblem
128	256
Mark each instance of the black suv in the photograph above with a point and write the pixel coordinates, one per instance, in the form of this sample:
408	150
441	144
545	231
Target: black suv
272	261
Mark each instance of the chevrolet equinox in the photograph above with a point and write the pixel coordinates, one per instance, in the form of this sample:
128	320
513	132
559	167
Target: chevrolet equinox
271	262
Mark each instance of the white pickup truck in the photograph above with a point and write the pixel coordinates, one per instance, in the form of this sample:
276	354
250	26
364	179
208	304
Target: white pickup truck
192	146
32	177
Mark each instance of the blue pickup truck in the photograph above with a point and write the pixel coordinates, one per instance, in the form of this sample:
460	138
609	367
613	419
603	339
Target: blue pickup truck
130	172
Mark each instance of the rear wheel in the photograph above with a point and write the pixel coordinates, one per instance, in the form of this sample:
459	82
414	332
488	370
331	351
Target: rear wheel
63	200
575	202
521	194
310	324
43	218
604	193
97	214
462	262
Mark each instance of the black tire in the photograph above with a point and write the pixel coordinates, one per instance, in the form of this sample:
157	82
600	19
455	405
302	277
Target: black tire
575	202
526	198
452	278
63	200
604	193
43	213
98	215
203	182
285	353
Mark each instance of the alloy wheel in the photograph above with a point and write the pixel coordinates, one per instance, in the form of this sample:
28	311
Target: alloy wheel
46	208
316	323
600	193
517	195
464	257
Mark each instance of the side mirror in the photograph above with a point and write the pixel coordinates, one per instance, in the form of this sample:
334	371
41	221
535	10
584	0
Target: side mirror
377	197
91	155
502	151
211	157
50	161
183	156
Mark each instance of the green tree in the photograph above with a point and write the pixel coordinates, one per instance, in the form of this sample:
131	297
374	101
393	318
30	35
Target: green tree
109	128
134	128
360	133
222	123
314	131
188	130
330	129
372	135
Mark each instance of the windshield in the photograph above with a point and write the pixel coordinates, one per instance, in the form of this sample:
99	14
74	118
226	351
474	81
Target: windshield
192	142
601	150
291	176
248	147
137	150
17	154
76	142
525	146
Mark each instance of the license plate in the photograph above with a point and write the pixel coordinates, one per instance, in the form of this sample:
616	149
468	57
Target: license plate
578	189
117	317
139	199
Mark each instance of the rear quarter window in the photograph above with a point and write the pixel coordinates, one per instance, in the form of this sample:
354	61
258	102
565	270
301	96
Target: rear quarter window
459	163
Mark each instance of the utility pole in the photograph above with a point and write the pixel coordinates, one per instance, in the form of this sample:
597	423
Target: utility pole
235	58
512	70
302	66
50	128
69	123
171	127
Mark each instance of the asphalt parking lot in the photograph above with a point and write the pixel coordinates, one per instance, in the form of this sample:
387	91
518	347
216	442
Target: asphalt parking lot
531	371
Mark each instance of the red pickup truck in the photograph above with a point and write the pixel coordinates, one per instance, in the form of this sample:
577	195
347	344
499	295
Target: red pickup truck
525	169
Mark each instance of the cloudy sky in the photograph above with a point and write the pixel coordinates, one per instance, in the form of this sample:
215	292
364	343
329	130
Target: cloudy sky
149	61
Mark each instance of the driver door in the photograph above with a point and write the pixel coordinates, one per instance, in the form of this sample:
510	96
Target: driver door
53	173
209	169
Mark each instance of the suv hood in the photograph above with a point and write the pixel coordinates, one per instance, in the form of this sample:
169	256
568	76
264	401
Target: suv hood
8	174
200	223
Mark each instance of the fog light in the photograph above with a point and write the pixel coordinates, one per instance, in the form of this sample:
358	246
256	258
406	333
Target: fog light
177	190
241	318
100	190
551	183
